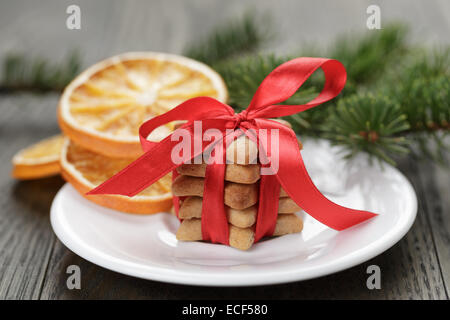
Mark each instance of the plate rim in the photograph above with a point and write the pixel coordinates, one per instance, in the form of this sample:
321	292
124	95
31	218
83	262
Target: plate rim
229	280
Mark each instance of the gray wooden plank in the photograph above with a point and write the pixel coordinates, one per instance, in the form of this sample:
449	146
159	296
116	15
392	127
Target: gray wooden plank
415	171
26	239
437	197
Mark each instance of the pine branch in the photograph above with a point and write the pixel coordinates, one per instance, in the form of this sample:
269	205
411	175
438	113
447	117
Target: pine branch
364	122
423	93
21	73
367	57
235	38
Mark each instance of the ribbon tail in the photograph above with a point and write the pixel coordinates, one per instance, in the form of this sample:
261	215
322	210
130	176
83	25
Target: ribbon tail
150	167
141	173
310	199
295	180
158	161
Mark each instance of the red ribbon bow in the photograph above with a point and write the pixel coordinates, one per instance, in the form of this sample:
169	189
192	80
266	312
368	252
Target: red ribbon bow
277	87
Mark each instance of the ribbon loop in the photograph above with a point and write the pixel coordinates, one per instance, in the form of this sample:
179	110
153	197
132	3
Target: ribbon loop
198	108
286	79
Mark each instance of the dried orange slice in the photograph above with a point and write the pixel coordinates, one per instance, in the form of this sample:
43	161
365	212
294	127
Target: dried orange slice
38	160
85	169
102	108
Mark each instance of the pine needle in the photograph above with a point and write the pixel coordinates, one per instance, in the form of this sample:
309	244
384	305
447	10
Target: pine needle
235	38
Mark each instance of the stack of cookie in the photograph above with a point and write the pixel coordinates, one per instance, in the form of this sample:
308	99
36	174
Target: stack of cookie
241	191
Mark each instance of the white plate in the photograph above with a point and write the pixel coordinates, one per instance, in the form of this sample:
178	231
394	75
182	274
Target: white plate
146	247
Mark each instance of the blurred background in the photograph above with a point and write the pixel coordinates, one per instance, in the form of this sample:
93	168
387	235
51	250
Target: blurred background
244	41
111	27
398	77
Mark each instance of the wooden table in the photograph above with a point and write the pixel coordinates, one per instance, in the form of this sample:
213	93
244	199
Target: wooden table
33	261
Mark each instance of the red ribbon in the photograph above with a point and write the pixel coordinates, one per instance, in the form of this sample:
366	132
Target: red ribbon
277	87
